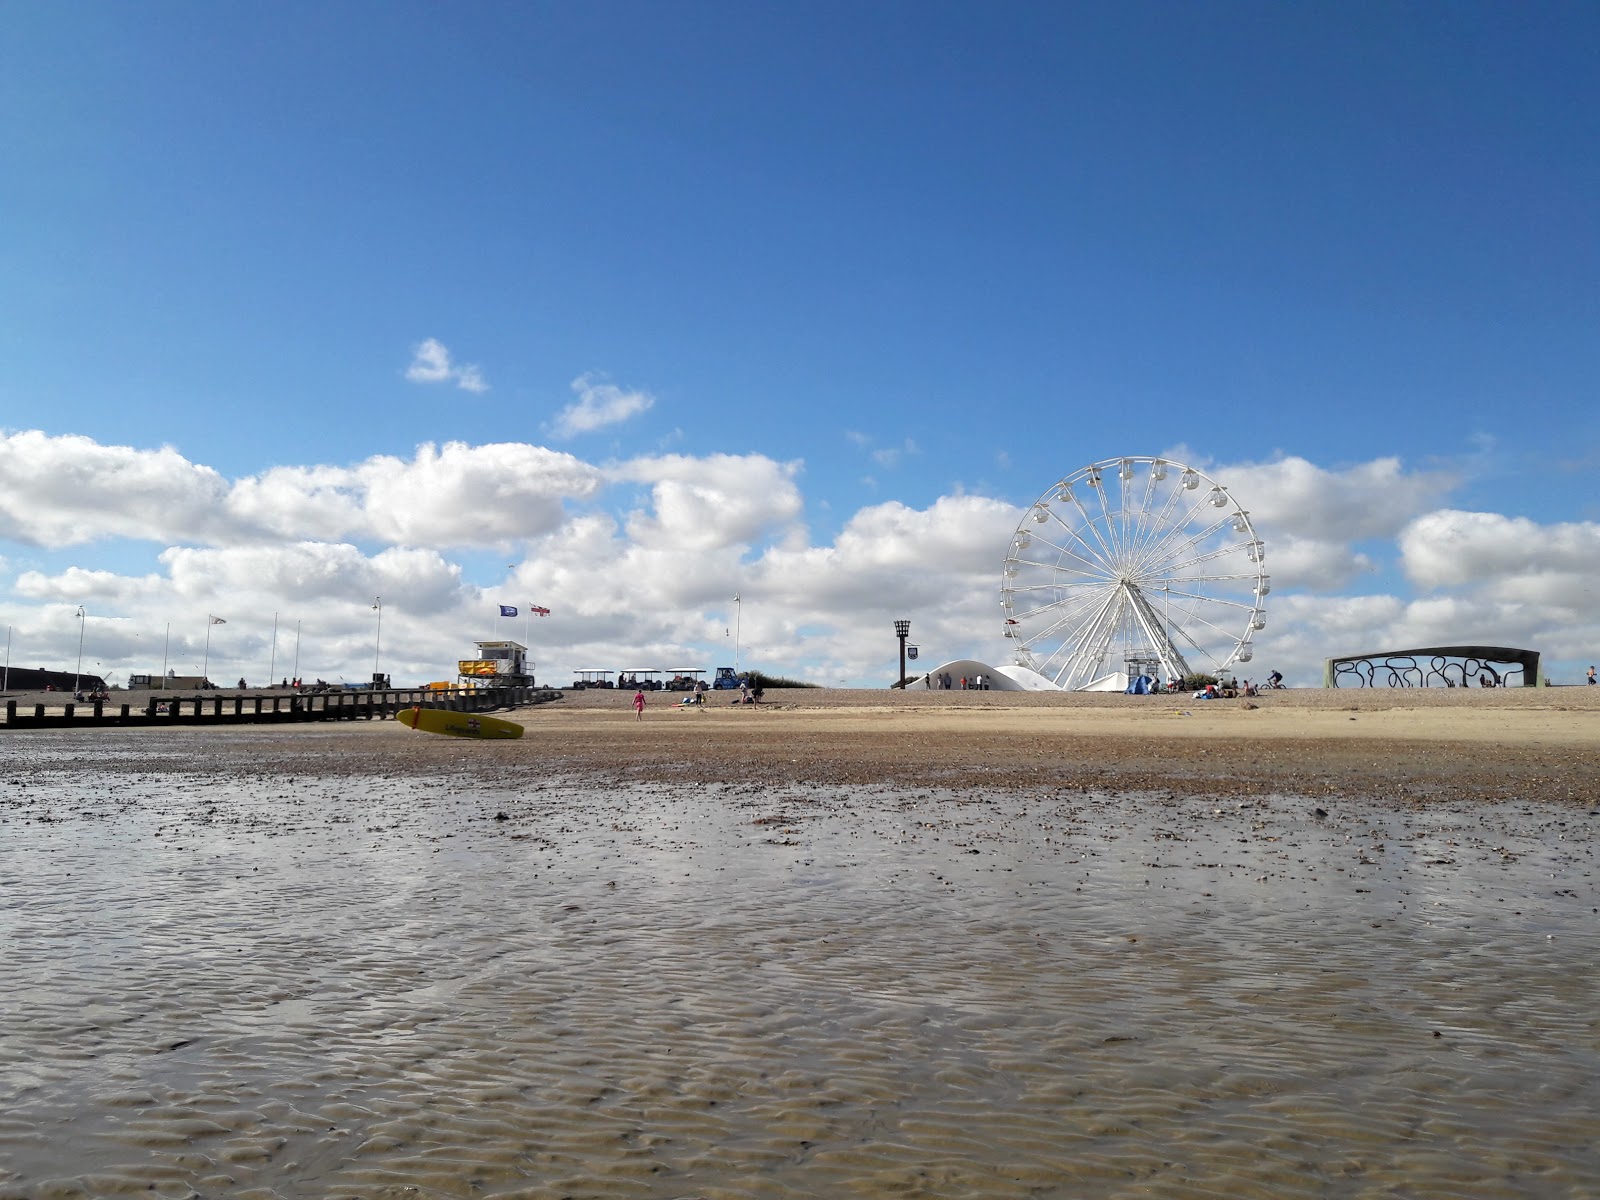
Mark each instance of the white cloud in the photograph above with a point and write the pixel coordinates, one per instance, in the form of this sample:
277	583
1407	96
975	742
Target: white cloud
68	490
431	363
599	404
885	456
1296	498
890	456
1315	564
640	558
454	495
708	503
1450	548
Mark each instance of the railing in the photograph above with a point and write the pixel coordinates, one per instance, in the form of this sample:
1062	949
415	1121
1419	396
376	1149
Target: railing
239	710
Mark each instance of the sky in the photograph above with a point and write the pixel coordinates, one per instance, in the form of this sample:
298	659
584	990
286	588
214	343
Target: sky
628	309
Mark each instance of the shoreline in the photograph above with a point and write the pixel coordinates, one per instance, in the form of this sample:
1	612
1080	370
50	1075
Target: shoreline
1523	744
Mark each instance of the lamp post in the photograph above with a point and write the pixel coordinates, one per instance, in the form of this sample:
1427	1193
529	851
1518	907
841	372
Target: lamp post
205	665
272	663
902	630
79	673
377	644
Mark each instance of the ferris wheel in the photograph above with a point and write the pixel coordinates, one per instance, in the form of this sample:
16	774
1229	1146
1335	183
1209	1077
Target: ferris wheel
1135	565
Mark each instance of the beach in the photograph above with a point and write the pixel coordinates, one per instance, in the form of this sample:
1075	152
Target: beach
841	943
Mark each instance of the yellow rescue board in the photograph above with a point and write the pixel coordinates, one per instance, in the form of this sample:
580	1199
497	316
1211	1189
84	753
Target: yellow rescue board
438	720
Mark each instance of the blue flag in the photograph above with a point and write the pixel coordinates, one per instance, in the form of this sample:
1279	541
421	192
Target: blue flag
508	610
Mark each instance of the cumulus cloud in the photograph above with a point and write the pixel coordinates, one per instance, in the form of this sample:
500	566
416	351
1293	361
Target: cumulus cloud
705	503
598	405
454	495
639	560
1316	564
1293	497
1449	548
431	363
68	490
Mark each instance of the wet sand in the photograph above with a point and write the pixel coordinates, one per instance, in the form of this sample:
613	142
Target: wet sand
959	948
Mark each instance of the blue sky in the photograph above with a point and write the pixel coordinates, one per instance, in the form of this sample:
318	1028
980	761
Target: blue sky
931	257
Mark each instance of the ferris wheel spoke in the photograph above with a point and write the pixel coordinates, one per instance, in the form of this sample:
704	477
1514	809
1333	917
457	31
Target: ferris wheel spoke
1092	641
1124	510
1189	528
1096	556
1221	552
1107	556
1220	578
1068	610
1057	585
1204	599
1094	564
1051	572
1196	618
1146	516
1110	522
1162	520
1077	631
1160	558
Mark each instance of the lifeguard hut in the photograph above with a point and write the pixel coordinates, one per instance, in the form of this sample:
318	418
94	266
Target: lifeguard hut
499	664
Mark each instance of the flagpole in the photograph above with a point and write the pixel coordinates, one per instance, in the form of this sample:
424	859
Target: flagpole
737	612
297	649
79	675
377	645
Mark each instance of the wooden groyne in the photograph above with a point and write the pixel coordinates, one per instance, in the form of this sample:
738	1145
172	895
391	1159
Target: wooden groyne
213	709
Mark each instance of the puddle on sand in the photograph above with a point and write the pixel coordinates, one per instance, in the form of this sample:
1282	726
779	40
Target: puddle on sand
373	988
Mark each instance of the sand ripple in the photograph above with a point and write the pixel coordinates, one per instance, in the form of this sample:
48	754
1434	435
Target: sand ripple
371	987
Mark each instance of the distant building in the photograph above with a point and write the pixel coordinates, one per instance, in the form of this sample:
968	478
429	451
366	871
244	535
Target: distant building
24	679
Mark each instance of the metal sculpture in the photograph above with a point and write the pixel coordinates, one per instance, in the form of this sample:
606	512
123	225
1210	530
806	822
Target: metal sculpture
1444	666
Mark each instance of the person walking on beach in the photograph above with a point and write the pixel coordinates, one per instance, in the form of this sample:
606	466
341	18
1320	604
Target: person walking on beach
1591	674
638	705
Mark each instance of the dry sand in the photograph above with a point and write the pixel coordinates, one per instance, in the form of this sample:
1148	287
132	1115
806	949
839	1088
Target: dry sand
1532	743
1516	743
